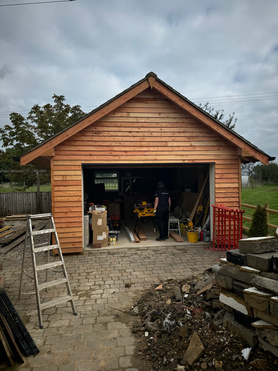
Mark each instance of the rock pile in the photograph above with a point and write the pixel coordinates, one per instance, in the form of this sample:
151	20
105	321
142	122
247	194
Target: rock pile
248	278
179	326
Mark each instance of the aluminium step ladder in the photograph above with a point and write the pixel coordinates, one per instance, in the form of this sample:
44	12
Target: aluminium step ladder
38	267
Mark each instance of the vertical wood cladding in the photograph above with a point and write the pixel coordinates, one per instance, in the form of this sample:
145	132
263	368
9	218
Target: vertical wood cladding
147	129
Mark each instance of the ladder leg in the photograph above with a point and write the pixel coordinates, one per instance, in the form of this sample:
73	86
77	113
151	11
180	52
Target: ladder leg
36	280
22	263
64	268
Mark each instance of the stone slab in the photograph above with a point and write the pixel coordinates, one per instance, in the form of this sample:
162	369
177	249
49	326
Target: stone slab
269	335
264	283
194	350
274	306
238	287
258	245
235	302
245	332
257	299
236	273
268	347
265	316
224	281
275	263
263	262
234	256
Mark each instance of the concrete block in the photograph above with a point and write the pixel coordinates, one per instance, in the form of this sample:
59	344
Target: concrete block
235	302
258	245
268	347
238	287
274	306
263	262
224	281
257	299
265	316
237	274
264	283
271	275
234	256
245	332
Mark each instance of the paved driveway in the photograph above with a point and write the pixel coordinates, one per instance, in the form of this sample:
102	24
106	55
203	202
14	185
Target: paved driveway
104	283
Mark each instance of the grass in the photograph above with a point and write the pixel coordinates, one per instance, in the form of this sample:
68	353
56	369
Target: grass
43	188
267	194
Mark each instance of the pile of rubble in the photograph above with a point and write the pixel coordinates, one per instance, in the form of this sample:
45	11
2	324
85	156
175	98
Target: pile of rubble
248	278
181	326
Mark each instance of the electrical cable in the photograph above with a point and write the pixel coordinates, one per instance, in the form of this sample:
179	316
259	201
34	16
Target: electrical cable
38	2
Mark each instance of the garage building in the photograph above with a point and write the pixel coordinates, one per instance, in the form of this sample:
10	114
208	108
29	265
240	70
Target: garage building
118	152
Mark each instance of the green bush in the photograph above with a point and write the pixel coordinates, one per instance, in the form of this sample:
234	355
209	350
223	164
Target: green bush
259	223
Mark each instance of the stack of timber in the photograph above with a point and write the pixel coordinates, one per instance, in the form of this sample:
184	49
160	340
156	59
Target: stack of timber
11	237
15	340
248	278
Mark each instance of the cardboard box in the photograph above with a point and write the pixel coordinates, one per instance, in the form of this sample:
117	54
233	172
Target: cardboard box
101	235
99	219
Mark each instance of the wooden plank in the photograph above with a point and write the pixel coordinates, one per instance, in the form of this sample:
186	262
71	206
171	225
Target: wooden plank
12	237
142	235
5	229
6	233
176	237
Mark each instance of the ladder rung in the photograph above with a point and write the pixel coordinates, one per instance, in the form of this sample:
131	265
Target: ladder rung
52	283
42	231
49	265
36	216
45	248
54	302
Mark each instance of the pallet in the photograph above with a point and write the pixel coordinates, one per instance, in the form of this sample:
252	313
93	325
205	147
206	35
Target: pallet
12	320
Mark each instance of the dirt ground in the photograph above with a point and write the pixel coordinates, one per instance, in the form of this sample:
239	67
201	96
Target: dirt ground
167	316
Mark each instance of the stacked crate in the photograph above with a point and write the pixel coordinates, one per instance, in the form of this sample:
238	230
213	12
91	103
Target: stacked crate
100	229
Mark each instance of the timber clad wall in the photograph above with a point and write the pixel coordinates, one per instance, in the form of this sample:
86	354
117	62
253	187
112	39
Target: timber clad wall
147	129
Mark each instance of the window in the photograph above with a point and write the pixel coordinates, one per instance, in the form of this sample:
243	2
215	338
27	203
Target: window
109	179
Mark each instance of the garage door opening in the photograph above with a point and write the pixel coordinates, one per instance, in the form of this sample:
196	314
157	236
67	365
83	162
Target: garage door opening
120	189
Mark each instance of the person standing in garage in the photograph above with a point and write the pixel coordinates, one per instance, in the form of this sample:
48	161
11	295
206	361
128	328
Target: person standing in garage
162	205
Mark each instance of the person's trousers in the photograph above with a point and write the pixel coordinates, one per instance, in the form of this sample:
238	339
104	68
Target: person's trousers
162	219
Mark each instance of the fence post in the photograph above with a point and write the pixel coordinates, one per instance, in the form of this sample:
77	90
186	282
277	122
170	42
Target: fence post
267	213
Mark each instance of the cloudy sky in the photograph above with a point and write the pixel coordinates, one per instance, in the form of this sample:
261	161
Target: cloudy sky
218	51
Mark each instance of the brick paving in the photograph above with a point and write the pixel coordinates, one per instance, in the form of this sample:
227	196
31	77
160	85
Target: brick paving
104	283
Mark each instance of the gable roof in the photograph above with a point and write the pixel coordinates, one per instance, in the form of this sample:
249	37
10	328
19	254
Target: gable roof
248	152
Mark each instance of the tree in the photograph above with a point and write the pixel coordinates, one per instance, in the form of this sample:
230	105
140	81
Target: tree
259	223
25	133
219	115
266	173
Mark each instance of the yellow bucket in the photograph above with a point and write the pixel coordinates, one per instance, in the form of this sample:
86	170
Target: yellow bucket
192	236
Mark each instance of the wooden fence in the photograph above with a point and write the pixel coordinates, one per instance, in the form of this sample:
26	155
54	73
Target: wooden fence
25	203
268	211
